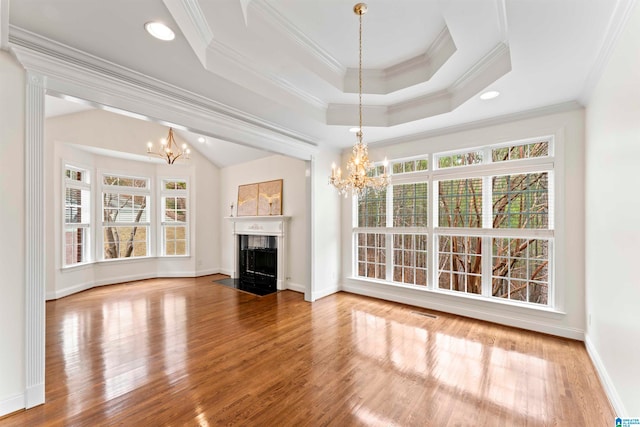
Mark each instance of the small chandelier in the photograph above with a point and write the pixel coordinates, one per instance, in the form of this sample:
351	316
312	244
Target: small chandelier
169	149
361	173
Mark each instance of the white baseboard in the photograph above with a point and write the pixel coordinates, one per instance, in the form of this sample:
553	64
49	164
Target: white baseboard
296	287
321	293
34	396
467	309
208	272
12	404
605	379
61	293
225	271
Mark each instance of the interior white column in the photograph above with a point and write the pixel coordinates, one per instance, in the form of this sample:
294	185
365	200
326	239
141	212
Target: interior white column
34	241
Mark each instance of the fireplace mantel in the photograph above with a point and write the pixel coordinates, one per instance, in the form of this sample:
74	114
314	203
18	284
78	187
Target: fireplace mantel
272	225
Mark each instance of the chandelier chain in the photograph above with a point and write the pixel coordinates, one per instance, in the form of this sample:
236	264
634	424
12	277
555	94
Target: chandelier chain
362	175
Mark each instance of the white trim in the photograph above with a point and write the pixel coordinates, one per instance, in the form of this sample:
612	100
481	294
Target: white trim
515	316
295	287
605	379
71	72
61	293
35	254
12	404
316	295
479	124
619	17
225	271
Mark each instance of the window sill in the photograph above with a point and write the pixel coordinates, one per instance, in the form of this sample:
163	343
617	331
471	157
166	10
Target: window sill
453	295
79	266
141	259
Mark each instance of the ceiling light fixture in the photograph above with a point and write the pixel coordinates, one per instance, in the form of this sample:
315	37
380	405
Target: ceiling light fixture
201	139
490	94
159	31
169	149
361	172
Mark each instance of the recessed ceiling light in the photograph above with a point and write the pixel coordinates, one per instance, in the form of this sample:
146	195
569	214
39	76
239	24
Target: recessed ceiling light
159	31
201	139
490	94
354	130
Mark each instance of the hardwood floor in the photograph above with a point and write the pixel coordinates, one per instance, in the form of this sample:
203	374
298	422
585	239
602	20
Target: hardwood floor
190	352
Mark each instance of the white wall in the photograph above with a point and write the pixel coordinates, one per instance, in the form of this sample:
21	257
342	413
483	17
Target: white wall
568	320
12	248
293	174
613	222
67	139
327	247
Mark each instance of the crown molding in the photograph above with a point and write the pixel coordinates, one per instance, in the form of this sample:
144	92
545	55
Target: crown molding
402	75
616	25
478	124
78	74
198	20
487	70
286	27
503	26
217	48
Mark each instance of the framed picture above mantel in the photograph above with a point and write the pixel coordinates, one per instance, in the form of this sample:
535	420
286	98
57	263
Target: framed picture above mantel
260	199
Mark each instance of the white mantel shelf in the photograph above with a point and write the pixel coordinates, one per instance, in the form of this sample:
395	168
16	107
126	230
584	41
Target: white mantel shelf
271	225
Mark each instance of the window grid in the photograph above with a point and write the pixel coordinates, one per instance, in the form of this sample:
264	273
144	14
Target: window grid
408	166
520	151
410	259
77	216
471	201
125	216
174	206
460	263
372	255
520	269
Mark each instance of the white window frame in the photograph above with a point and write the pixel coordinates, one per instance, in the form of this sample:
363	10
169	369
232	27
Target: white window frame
84	185
484	170
136	191
163	192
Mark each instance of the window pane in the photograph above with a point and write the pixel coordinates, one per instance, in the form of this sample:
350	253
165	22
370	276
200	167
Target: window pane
460	203
75	245
521	201
460	263
410	203
459	159
522	151
520	269
374	264
409	258
372	209
125	242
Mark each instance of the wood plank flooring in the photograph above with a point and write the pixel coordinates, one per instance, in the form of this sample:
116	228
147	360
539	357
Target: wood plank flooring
190	352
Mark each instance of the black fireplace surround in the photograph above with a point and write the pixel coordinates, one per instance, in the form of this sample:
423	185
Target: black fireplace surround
258	262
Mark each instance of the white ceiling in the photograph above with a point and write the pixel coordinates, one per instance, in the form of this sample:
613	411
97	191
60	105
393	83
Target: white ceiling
291	62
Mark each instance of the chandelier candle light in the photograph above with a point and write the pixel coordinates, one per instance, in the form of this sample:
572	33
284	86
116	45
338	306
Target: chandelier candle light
360	170
169	149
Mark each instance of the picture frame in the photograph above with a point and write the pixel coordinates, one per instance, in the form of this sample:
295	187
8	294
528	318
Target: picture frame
270	198
247	200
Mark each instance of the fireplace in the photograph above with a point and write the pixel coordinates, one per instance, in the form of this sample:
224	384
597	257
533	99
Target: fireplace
260	250
258	262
